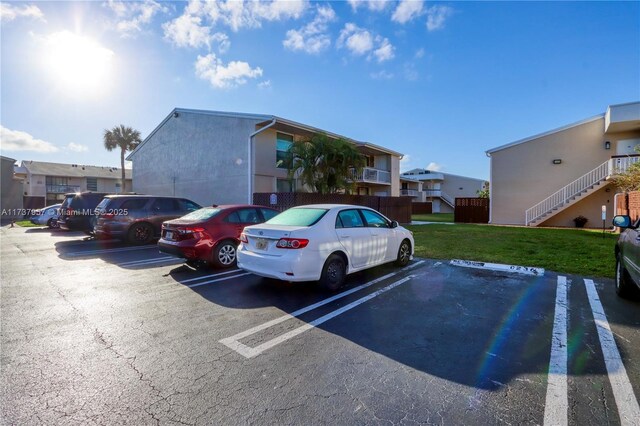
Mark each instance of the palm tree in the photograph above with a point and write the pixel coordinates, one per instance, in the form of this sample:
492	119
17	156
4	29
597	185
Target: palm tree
123	137
323	164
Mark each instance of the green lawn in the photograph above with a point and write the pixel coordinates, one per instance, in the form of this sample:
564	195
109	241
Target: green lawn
26	224
571	251
435	217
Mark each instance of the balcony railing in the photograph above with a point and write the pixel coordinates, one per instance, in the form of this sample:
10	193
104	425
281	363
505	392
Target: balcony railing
441	194
371	175
410	192
62	189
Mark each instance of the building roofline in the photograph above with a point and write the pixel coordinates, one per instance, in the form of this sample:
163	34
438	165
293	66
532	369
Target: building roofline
263	117
8	158
540	135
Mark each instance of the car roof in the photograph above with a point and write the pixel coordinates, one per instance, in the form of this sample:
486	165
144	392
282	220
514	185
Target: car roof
234	206
143	196
331	206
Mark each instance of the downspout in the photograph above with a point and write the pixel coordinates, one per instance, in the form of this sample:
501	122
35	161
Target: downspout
250	160
490	187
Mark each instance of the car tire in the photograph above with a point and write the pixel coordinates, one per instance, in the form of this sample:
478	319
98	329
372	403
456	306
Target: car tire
224	255
52	223
624	286
140	233
404	253
334	273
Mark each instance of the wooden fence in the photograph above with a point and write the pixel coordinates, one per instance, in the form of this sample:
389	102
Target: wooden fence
471	210
629	204
395	208
422	208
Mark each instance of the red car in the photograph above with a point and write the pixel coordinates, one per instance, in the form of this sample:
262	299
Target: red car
212	234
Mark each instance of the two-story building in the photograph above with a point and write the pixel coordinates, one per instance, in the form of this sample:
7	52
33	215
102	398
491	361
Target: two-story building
441	189
11	191
46	183
215	157
551	178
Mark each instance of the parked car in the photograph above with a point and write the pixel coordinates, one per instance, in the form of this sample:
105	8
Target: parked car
212	234
77	210
137	219
46	216
323	243
627	253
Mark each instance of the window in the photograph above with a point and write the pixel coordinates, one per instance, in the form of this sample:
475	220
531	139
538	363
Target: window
349	219
298	217
164	205
268	214
118	189
202	214
243	216
189	206
134	204
285	185
370	161
374	220
283	142
92	184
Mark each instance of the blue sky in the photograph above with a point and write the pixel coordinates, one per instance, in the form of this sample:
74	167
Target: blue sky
441	82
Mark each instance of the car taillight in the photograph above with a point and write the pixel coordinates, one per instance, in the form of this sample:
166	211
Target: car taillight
292	243
243	238
107	215
190	232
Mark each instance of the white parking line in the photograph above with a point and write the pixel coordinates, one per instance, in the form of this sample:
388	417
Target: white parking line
556	407
233	341
106	251
527	270
219	279
209	276
151	261
622	390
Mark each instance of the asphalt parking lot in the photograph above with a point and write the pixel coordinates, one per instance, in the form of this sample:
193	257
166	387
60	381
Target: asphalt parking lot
102	333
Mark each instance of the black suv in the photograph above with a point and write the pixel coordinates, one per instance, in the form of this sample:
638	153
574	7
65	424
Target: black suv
77	210
138	219
627	257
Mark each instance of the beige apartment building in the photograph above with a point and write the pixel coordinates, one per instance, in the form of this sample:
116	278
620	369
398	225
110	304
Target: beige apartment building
441	189
215	157
551	178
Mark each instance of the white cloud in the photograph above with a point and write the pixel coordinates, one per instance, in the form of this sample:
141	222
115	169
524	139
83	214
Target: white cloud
419	53
76	147
186	31
407	10
9	12
312	38
134	15
435	167
223	42
15	140
264	84
381	75
437	16
361	41
223	76
358	40
385	52
372	5
250	14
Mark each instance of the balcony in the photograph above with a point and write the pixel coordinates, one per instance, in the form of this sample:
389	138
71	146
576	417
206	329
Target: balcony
371	175
410	192
62	189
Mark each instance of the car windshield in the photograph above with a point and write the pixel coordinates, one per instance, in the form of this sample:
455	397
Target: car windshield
298	217
103	204
202	214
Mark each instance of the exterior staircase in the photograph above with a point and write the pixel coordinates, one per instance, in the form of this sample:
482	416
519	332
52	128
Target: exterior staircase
577	190
447	199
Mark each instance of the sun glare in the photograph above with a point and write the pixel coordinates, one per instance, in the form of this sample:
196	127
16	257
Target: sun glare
78	65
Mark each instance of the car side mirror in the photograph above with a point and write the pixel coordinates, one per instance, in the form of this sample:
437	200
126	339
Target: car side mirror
394	224
622	221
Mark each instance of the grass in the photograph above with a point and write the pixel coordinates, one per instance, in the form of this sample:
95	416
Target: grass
435	217
26	224
570	251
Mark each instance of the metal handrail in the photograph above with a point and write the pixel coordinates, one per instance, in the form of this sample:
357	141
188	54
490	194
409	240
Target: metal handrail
583	183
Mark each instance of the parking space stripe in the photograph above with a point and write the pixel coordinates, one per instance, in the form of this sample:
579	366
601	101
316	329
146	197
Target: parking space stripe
233	341
150	261
219	279
556	408
209	276
106	251
626	400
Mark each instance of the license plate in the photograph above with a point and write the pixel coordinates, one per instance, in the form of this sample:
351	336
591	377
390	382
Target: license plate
168	235
261	244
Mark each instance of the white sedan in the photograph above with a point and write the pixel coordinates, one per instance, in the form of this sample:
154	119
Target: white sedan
46	216
323	242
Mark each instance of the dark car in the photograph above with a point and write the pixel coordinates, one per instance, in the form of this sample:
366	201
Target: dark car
211	235
77	211
627	257
137	219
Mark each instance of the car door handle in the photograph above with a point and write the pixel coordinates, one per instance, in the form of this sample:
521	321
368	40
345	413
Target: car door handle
345	236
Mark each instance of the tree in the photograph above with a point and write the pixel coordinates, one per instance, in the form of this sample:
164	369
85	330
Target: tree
484	192
123	137
324	164
628	180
